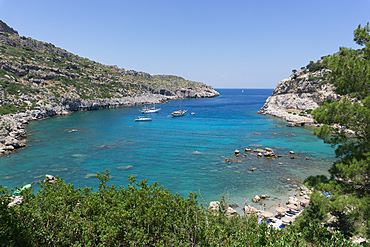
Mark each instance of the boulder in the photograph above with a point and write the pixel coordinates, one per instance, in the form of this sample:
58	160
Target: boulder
291	152
252	169
237	152
15	200
269	154
230	212
50	178
248	150
259	155
256	199
264	196
215	205
250	210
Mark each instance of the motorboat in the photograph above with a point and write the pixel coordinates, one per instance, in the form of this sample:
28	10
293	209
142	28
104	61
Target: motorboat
143	118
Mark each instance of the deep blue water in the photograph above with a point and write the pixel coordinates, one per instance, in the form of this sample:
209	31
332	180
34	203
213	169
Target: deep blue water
163	150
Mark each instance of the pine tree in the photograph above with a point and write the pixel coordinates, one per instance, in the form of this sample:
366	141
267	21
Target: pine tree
347	128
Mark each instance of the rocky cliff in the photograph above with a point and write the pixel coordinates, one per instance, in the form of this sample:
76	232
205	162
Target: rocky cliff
39	80
302	92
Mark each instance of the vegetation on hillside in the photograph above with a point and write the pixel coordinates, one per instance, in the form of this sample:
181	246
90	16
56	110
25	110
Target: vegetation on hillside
34	73
347	128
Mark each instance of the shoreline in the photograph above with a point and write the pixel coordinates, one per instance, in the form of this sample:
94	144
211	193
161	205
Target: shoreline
14	136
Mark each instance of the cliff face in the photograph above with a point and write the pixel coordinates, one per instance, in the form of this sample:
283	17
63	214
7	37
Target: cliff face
302	91
39	80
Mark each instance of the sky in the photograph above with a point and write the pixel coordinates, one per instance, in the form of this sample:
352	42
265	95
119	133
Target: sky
225	44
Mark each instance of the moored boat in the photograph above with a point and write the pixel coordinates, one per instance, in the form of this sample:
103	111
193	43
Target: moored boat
145	110
143	118
178	113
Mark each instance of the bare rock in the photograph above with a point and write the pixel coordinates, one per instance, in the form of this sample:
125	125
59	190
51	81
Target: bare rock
256	199
50	178
15	200
230	212
264	196
215	205
250	210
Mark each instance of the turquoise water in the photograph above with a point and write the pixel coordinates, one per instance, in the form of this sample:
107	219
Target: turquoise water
163	150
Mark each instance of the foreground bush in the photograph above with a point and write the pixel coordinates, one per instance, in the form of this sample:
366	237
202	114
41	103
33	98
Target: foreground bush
139	215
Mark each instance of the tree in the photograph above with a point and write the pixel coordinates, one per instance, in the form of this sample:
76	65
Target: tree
347	128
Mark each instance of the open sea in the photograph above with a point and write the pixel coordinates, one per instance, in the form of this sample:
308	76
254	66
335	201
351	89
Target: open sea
184	154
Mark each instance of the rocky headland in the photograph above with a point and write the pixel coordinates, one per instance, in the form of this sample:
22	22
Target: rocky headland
303	91
39	80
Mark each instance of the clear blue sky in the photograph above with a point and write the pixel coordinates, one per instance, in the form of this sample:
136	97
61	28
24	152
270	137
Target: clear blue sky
226	44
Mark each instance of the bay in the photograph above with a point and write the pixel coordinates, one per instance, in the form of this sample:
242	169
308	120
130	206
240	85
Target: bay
184	154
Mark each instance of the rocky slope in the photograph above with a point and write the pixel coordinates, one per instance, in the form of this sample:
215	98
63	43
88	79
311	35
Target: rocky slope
302	92
39	80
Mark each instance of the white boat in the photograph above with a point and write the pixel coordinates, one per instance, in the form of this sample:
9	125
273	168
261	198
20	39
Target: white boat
145	110
143	118
178	113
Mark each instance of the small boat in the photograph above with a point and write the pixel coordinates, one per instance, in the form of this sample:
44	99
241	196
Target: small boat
145	109
19	191
178	113
143	118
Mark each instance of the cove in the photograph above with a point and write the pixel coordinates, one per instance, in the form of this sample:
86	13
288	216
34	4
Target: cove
184	154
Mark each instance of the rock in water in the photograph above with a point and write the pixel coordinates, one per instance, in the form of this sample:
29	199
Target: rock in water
256	199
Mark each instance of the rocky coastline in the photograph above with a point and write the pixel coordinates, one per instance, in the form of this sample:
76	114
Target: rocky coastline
13	134
301	92
39	80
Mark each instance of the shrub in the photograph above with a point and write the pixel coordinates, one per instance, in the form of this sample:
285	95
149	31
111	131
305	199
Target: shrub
312	66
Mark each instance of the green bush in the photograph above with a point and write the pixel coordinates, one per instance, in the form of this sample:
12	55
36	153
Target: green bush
137	215
312	66
313	78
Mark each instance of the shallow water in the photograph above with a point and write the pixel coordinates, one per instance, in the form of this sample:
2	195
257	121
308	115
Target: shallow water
184	154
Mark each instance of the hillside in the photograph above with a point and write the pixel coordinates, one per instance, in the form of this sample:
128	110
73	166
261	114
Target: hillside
300	93
39	80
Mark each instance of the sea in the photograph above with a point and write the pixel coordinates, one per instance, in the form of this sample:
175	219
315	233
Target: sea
193	153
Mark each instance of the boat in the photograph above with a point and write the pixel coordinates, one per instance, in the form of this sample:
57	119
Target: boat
19	191
145	110
179	112
143	118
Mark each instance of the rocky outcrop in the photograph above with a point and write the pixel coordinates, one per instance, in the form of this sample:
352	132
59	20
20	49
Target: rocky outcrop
6	29
302	91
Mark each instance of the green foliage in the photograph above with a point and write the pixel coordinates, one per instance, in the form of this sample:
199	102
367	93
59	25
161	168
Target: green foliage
8	108
27	48
313	67
349	184
138	215
314	78
351	68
